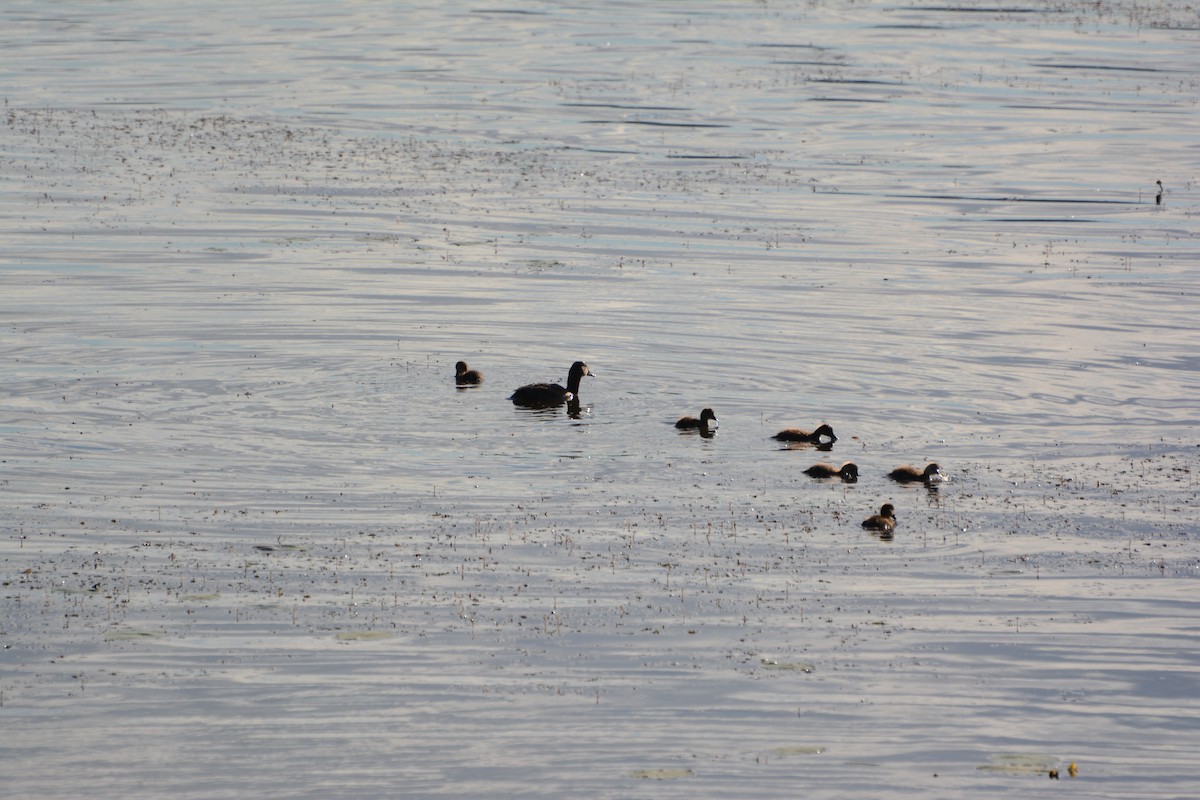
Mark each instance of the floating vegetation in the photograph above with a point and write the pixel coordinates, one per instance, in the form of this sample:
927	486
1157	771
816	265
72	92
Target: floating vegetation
279	548
127	634
363	636
798	750
788	666
543	264
661	774
1021	764
199	598
70	590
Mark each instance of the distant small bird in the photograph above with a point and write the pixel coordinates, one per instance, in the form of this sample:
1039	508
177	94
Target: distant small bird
547	395
465	376
1158	197
884	522
906	474
811	437
848	472
707	421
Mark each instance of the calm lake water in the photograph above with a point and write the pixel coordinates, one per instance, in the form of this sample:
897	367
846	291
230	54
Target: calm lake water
256	543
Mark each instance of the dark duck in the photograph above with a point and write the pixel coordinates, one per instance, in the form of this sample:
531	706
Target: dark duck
706	423
931	474
848	472
823	435
547	395
883	523
465	376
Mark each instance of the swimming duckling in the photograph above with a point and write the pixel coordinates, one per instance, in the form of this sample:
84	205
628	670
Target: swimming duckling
884	522
707	421
906	474
848	472
545	395
809	437
465	376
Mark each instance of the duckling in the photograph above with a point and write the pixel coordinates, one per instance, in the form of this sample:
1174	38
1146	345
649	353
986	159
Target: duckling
884	522
465	376
545	395
707	421
809	437
906	474
848	472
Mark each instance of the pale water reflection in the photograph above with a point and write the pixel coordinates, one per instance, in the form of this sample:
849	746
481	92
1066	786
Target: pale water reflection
257	541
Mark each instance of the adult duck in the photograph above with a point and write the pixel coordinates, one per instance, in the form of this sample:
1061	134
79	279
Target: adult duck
545	395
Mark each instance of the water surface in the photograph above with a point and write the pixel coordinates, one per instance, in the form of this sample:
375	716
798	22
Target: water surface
256	542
